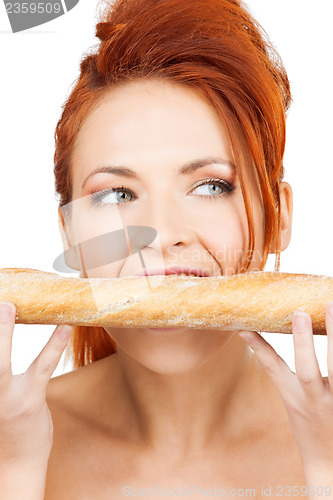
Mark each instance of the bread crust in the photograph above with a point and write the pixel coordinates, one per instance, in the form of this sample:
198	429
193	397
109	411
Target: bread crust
259	300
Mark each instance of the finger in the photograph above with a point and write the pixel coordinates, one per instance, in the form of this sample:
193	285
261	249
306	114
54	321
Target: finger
306	363
275	366
7	322
43	366
329	329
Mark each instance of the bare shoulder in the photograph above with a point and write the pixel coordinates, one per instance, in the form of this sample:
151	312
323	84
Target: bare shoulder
58	386
69	399
61	391
67	395
77	394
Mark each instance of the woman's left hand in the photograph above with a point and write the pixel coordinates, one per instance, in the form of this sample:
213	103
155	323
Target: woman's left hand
307	396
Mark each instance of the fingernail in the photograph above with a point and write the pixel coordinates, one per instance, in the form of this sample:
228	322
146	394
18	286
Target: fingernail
65	332
299	321
247	337
5	311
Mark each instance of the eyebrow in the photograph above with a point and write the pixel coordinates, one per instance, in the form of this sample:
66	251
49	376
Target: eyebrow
186	169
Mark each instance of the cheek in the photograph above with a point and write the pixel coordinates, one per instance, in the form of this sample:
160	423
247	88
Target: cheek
225	237
101	238
91	222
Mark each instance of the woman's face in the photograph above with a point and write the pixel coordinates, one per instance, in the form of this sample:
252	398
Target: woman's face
155	129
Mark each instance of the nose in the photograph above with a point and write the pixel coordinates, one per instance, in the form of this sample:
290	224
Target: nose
169	221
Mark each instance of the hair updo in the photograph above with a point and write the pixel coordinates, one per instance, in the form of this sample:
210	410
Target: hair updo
214	47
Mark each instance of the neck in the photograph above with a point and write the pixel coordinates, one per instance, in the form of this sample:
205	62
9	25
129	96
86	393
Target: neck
186	413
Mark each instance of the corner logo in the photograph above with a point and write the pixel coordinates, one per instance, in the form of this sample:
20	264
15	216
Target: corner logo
24	15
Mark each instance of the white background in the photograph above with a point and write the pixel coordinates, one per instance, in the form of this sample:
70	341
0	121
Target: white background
38	69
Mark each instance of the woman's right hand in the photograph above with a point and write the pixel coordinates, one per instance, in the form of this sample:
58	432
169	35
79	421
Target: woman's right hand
26	428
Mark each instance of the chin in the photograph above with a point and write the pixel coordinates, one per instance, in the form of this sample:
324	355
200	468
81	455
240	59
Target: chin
171	354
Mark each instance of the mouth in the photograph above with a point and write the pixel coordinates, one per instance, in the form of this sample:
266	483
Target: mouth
180	271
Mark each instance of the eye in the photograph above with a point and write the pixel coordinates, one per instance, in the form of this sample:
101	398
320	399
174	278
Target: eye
110	194
218	184
109	197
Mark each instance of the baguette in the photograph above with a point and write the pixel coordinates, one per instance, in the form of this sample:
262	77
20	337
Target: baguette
259	300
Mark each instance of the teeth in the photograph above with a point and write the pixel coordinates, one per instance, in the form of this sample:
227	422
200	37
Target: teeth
183	274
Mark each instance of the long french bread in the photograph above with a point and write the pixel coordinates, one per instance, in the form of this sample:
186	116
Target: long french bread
261	301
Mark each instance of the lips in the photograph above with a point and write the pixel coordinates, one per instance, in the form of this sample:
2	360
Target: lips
174	270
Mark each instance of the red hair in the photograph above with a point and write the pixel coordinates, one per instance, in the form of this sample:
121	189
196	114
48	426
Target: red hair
214	47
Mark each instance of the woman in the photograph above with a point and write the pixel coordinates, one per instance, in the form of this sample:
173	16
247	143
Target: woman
188	96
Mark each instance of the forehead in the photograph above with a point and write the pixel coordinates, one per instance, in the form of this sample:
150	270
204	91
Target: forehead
145	120
148	101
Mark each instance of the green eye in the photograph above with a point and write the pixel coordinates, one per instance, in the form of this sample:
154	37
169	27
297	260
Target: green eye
99	196
219	183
